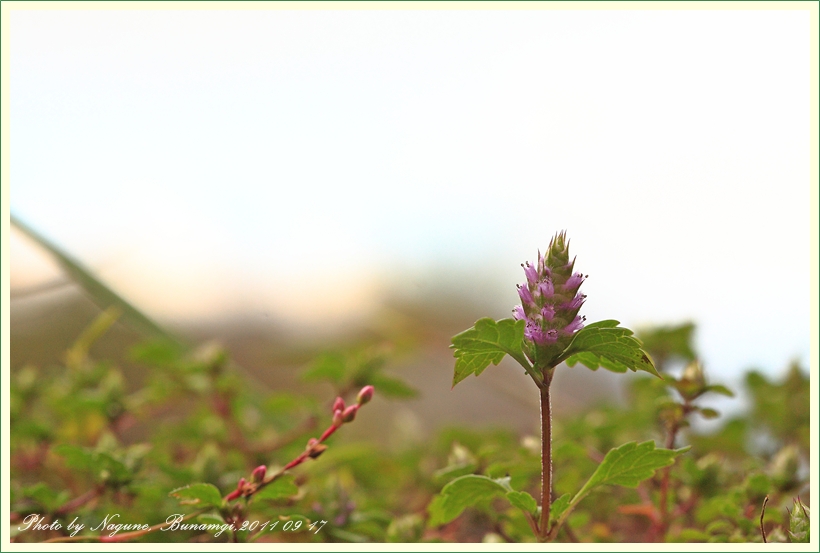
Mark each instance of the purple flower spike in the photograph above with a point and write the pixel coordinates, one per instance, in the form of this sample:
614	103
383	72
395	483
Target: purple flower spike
525	294
532	331
573	282
574	303
548	313
546	289
576	325
547	306
550	337
532	275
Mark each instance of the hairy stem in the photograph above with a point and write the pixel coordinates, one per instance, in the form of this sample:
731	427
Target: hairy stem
546	459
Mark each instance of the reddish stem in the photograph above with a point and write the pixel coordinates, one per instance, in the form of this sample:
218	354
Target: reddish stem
546	460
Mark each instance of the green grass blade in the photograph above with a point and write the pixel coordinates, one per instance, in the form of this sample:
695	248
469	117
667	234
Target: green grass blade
99	293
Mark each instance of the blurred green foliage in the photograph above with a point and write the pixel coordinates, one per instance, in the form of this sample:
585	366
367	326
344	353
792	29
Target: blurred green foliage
85	444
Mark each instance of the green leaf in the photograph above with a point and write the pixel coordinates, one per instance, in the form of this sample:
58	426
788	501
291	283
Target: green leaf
451	472
284	486
691	535
708	412
464	492
297	518
330	366
112	470
158	352
392	387
102	465
76	457
630	464
719	389
799	528
757	484
523	501
669	342
211	518
605	344
559	506
99	293
48	498
206	495
487	342
216	524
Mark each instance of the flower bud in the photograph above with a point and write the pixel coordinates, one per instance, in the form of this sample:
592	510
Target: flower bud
365	395
337	418
692	383
338	405
350	413
259	473
316	450
237	493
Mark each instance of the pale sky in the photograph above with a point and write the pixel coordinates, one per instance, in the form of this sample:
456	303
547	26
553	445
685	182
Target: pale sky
209	162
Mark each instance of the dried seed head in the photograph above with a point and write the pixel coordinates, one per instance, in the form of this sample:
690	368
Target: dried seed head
316	450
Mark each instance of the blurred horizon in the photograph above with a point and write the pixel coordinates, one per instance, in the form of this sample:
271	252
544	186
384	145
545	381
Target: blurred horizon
301	168
37	282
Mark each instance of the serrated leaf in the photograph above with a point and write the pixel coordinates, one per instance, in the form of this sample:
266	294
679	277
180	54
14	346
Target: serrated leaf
630	464
487	342
282	487
559	506
523	501
605	344
451	472
206	495
464	492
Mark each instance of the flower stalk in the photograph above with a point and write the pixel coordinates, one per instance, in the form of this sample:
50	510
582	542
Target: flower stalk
550	302
546	463
342	414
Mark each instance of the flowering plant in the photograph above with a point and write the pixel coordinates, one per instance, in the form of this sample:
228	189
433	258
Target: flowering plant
544	332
